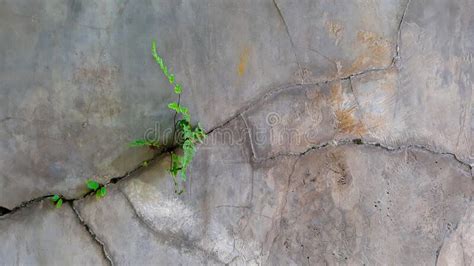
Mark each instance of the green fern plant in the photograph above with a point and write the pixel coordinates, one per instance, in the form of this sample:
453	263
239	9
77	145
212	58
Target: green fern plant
190	135
100	190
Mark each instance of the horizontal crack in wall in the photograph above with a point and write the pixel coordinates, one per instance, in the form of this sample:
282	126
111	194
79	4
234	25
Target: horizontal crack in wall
113	180
357	141
240	114
261	98
6	211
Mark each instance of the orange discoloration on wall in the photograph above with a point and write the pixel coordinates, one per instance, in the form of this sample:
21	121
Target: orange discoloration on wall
378	53
243	61
99	76
346	123
102	78
336	94
344	112
335	30
338	166
375	123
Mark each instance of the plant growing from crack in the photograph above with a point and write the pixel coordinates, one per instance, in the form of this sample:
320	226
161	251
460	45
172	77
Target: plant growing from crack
100	190
152	144
57	200
189	135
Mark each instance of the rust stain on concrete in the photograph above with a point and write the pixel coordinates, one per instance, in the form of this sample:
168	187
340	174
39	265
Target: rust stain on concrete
338	166
346	123
335	29
101	80
99	76
243	61
377	54
336	94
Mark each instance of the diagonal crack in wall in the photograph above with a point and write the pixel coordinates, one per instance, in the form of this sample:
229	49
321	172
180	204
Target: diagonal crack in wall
239	113
280	15
333	143
93	235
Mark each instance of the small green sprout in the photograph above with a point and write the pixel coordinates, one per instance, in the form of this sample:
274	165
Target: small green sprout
152	144
100	190
57	200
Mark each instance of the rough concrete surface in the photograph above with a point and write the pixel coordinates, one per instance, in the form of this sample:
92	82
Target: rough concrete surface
340	132
42	235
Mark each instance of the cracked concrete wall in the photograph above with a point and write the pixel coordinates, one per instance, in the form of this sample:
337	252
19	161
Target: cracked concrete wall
340	132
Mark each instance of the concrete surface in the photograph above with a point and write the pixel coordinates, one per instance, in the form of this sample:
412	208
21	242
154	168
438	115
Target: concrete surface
341	132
